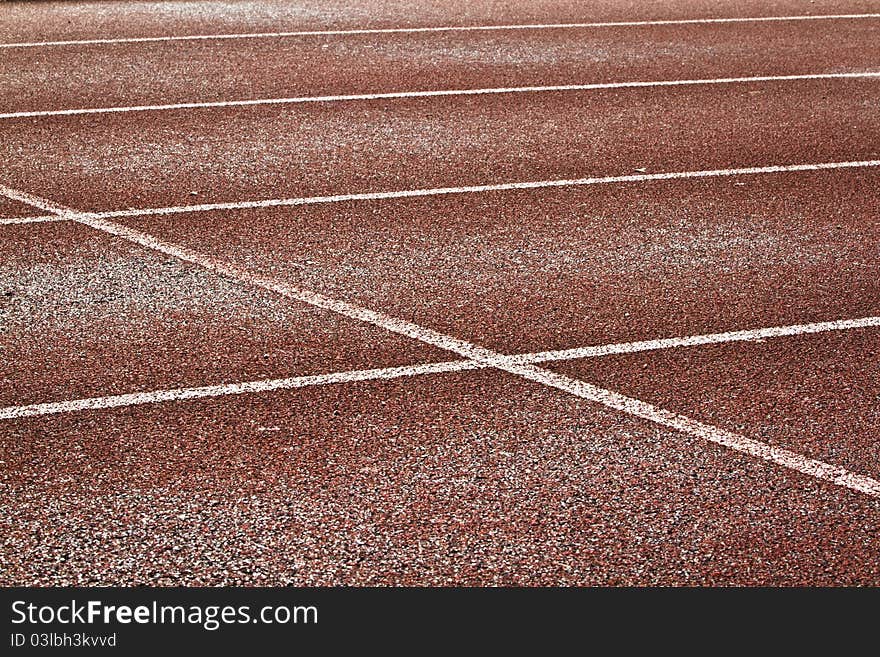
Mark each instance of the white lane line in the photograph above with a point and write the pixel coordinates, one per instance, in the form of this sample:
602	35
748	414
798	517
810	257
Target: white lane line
698	340
247	387
469	351
446	28
473	189
441	191
440	93
182	394
14	221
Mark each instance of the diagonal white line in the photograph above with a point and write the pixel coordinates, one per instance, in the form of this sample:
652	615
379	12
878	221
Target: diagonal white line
476	189
350	376
397	95
487	357
60	211
446	28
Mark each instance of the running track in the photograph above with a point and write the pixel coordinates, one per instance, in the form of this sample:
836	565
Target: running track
440	293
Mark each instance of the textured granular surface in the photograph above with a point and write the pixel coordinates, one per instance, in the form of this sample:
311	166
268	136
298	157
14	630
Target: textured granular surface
818	395
187	156
86	315
211	71
466	474
555	269
10	209
472	479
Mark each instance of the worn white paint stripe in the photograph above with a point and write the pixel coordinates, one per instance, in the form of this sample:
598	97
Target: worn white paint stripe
13	221
487	357
439	93
446	28
473	189
182	394
698	340
247	387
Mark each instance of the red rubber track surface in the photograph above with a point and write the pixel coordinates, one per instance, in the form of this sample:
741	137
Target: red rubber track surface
89	20
477	477
144	73
11	209
191	156
89	313
473	479
818	396
555	269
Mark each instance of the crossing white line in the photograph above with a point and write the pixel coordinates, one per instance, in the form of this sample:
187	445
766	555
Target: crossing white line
249	387
489	358
446	28
397	95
